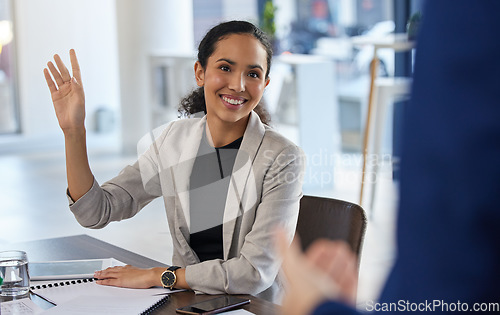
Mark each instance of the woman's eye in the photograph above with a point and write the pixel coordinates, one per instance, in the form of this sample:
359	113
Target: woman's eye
253	75
224	68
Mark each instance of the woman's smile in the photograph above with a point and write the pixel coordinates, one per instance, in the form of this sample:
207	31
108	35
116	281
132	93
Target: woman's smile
232	102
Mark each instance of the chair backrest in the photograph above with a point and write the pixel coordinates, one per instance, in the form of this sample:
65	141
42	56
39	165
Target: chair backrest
332	219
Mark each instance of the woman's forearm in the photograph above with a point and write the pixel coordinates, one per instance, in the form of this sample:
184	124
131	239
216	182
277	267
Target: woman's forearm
79	175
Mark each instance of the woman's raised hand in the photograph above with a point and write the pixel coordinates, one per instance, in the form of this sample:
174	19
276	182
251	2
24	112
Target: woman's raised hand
67	93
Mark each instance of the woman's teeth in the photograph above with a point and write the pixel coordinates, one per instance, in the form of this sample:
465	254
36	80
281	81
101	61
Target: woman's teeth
232	101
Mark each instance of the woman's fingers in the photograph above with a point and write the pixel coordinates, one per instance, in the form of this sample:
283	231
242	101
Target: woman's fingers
75	67
66	77
110	282
61	74
111	272
55	73
50	82
126	276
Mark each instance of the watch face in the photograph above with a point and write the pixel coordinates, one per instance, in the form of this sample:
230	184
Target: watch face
168	278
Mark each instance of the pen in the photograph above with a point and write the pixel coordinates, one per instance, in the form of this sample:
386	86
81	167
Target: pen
43	298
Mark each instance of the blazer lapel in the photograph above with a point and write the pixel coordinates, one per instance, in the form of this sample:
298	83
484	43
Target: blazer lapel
242	191
181	173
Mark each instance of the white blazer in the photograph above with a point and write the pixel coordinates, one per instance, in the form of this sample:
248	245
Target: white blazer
264	191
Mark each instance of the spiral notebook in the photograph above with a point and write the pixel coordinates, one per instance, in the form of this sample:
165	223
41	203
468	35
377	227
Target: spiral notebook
84	296
110	305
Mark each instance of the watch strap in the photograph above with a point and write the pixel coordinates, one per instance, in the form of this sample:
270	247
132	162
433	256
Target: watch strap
173	268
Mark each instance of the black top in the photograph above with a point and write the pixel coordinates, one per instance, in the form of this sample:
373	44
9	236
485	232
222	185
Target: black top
209	183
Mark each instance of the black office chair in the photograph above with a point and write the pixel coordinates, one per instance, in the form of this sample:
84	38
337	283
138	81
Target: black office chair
332	219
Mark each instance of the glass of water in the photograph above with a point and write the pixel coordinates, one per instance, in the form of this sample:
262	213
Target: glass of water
14	276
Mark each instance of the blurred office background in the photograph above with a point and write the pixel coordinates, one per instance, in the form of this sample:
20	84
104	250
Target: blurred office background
137	58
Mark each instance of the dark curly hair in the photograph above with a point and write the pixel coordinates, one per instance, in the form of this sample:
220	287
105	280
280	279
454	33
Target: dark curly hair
195	101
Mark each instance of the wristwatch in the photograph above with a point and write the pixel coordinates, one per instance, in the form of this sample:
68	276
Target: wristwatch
168	277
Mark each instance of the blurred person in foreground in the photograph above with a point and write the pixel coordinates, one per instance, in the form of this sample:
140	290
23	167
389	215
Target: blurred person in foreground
448	239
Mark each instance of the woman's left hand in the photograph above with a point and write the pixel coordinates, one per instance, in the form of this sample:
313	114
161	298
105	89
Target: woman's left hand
127	277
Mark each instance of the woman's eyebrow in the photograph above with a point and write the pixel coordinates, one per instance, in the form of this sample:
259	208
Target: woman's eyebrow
256	66
229	61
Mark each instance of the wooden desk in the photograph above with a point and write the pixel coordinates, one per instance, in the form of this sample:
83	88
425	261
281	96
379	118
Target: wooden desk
86	247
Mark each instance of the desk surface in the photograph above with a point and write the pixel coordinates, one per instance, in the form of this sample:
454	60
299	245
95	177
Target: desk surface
86	247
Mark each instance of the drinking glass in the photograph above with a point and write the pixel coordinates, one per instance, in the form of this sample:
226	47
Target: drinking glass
14	275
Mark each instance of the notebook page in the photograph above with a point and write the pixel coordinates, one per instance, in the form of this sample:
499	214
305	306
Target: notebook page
62	294
105	305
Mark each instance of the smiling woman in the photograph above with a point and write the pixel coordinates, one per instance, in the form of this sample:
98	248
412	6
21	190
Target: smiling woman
227	179
234	81
195	102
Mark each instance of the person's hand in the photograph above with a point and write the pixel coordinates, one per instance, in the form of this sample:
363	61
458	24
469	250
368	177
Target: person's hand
327	271
336	260
67	93
126	277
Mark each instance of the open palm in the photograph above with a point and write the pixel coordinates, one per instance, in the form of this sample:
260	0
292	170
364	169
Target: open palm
67	92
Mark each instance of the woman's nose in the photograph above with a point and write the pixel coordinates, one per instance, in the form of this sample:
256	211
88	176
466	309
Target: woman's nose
237	83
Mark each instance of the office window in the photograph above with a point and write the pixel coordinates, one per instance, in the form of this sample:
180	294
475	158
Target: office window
208	13
325	28
9	120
